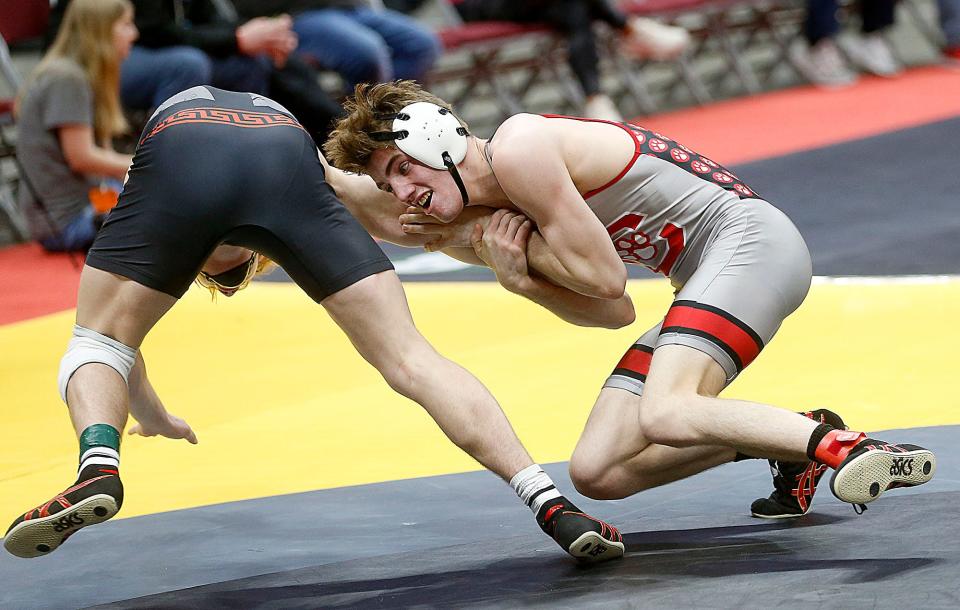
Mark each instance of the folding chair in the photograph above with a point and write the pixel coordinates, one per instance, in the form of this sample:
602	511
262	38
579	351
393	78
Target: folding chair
503	58
8	203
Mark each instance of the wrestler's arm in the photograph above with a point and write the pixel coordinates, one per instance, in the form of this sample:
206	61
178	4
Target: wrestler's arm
503	244
571	247
377	211
147	408
568	305
576	308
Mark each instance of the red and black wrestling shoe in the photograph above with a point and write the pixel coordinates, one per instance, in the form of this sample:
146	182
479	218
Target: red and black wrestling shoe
95	497
589	540
872	467
794	483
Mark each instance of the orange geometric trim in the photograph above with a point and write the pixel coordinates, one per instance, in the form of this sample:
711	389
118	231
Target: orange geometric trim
220	116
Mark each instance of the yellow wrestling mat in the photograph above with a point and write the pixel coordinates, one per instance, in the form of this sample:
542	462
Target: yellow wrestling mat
281	402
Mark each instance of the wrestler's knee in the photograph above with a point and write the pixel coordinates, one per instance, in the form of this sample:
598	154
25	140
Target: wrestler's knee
662	420
595	477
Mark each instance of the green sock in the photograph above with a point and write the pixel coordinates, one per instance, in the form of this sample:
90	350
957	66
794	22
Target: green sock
99	444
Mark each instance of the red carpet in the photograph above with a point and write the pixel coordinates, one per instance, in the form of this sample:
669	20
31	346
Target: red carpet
35	283
783	122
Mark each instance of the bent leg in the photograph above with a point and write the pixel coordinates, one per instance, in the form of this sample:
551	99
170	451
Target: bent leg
680	408
374	314
113	316
414	48
123	310
149	76
614	459
337	41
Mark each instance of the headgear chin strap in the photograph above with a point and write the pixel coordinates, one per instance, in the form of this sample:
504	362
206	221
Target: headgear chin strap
431	135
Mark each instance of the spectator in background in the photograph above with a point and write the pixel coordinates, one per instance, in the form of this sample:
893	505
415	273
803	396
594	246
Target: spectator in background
641	38
949	11
68	113
822	61
184	44
361	43
203	42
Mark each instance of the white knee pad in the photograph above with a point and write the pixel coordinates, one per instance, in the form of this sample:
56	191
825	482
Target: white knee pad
88	346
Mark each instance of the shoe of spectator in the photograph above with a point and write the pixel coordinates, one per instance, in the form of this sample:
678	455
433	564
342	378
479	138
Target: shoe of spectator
872	54
822	64
649	39
601	106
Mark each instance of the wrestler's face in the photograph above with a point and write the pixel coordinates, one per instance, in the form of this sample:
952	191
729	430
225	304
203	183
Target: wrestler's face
416	184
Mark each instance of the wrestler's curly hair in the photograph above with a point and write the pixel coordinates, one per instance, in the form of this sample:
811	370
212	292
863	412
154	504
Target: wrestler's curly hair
261	265
350	145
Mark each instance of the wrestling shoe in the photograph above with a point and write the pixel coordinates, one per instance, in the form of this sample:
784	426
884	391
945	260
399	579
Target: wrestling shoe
94	498
794	483
872	467
589	540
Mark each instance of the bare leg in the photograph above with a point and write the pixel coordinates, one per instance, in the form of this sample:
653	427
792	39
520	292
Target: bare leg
124	310
374	314
677	429
96	394
680	408
614	460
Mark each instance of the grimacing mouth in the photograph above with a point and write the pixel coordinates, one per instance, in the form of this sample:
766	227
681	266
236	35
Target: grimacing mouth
425	199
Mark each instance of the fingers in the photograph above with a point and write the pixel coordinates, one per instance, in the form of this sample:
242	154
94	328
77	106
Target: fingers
523	233
513	225
417	229
496	219
506	224
135	429
412	215
476	238
191	436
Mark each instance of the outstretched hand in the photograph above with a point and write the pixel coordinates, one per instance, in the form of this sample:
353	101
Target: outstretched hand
169	426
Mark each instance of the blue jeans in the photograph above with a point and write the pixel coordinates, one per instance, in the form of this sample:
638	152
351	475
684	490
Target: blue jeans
77	236
950	21
150	76
821	21
366	45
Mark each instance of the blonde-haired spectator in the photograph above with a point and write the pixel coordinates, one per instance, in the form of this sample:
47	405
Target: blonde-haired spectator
68	113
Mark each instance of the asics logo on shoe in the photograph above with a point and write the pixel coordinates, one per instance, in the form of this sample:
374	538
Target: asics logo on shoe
66	522
597	550
901	467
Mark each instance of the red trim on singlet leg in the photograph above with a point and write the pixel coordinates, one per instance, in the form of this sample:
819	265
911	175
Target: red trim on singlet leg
636	148
637	359
746	345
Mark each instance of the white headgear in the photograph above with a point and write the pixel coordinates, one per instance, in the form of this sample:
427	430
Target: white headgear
430	134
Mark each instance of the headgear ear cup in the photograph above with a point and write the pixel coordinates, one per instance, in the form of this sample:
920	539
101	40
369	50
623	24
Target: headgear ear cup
432	135
431	131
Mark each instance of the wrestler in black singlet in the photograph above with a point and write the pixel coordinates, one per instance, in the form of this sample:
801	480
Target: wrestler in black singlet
216	167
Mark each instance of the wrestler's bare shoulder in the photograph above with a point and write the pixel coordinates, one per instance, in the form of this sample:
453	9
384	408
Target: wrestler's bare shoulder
522	132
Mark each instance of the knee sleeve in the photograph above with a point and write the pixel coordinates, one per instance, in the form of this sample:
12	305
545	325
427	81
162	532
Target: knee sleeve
88	346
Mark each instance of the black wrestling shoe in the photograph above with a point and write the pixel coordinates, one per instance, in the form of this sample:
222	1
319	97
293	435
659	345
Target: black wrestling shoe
872	467
94	498
794	483
589	540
